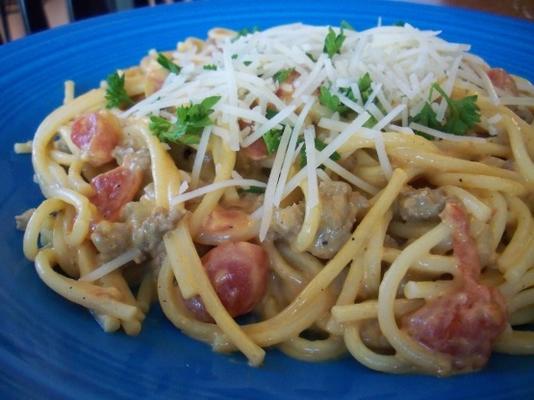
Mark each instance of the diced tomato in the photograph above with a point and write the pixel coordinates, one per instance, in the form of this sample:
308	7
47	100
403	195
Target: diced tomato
463	324
226	224
257	150
464	245
115	188
238	273
96	134
503	80
466	321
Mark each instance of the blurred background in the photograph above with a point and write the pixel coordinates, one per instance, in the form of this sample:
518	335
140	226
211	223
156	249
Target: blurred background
23	17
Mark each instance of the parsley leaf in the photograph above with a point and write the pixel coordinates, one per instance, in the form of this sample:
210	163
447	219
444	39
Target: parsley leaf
364	84
271	112
311	57
247	63
370	123
426	117
252	189
346	25
333	42
167	63
116	95
190	121
272	140
234	56
319	145
283	74
399	23
245	32
331	101
210	67
462	114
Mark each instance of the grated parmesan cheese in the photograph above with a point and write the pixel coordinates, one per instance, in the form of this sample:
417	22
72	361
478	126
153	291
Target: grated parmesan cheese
111	265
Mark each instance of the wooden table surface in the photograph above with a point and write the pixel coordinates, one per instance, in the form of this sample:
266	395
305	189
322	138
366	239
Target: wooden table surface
514	8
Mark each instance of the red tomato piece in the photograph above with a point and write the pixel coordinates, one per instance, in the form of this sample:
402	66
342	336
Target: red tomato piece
465	322
96	135
257	150
464	246
503	80
238	273
115	188
227	224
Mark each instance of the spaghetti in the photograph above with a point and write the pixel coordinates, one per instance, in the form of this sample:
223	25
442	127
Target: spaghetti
364	192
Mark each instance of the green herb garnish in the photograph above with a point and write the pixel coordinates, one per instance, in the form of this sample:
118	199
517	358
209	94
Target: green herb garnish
252	189
319	145
283	74
365	86
333	42
190	121
116	95
331	101
210	67
311	57
272	140
462	114
167	63
245	32
271	112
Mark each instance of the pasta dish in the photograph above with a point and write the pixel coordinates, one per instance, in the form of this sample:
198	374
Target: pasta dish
350	192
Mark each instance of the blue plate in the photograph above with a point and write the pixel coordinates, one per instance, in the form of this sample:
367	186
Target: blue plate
50	348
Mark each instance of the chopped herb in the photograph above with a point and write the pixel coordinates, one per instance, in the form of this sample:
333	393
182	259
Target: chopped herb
116	95
364	84
245	32
168	64
272	140
370	123
252	189
311	57
345	25
210	67
247	63
283	74
331	101
426	117
319	145
190	121
234	56
271	112
399	23
461	116
333	42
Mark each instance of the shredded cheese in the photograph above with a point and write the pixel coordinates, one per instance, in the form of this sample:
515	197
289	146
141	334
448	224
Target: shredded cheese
181	198
313	192
201	154
444	135
272	182
111	265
